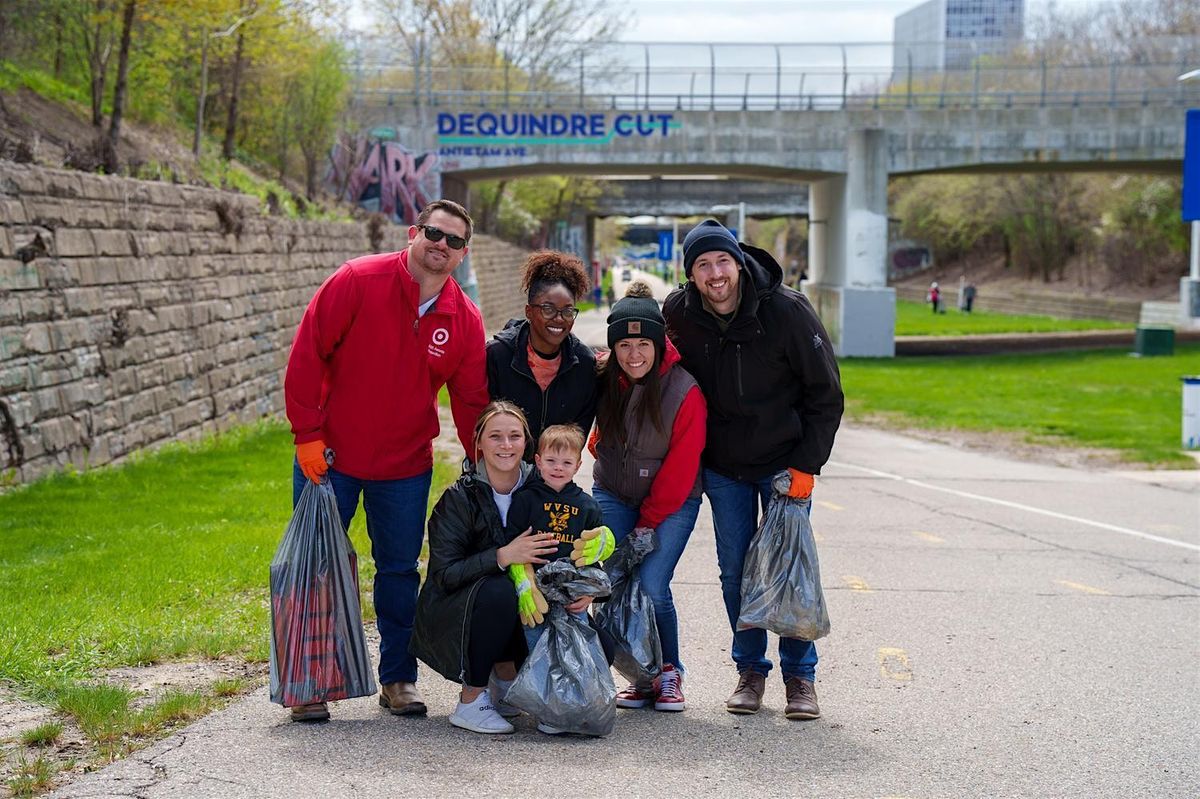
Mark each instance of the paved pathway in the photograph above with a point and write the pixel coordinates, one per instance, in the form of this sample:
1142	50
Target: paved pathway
1000	629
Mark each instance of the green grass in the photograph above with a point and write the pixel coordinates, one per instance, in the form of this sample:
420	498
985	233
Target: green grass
32	777
164	558
916	319
43	734
228	687
13	77
173	707
1103	398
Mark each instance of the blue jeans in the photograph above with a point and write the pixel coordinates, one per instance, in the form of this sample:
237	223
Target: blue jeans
735	509
395	512
659	566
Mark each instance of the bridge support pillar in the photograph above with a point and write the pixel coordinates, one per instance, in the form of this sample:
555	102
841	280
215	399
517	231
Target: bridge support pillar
459	191
847	252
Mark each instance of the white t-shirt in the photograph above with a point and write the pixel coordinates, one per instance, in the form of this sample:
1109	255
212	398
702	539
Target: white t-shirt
424	307
504	501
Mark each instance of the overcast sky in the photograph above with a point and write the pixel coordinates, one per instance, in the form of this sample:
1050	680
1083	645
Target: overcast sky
765	20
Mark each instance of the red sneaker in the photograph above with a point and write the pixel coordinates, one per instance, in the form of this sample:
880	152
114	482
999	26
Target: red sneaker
633	696
670	691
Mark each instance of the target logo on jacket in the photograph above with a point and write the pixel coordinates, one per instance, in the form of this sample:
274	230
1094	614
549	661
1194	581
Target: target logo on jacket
437	341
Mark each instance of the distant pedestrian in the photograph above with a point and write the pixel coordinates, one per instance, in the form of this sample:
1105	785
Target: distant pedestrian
935	296
968	297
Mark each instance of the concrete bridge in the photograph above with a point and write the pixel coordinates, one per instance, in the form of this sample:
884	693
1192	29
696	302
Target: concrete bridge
667	197
845	154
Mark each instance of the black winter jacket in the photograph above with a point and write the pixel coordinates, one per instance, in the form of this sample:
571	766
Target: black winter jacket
465	531
570	397
564	514
770	379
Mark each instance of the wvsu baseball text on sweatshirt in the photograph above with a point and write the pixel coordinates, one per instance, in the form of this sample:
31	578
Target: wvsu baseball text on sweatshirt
564	514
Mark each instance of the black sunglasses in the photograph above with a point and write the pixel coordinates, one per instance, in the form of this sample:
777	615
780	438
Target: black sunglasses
437	234
549	312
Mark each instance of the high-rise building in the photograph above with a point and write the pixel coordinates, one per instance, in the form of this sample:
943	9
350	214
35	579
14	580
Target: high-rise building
951	34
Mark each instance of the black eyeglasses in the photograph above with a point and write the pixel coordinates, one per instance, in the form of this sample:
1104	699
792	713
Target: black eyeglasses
549	311
437	234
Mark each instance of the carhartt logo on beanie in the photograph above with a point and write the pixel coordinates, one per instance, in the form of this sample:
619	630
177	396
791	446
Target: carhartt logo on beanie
637	315
708	236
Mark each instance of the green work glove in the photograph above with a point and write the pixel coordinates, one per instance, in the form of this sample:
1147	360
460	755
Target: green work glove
528	606
593	546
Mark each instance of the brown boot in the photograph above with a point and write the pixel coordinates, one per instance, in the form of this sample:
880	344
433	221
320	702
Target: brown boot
317	711
402	699
801	699
747	697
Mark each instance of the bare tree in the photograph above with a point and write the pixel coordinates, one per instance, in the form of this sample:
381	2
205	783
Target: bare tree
114	127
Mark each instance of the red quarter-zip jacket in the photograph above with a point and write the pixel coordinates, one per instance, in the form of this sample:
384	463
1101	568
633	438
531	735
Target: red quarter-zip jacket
365	370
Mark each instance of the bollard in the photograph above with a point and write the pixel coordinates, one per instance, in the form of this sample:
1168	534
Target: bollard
1191	412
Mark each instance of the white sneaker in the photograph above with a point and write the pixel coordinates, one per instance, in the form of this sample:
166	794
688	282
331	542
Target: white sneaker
498	688
548	730
480	716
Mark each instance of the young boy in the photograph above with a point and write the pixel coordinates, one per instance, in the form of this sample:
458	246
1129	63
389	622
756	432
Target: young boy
555	504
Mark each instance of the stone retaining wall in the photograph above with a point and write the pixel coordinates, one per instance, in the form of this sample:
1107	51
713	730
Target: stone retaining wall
133	313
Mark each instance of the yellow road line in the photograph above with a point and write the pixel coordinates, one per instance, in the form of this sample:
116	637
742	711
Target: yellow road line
857	584
1087	589
893	663
829	505
928	537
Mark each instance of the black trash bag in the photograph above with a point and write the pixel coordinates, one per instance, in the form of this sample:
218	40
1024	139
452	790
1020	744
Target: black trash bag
565	682
318	648
781	579
628	615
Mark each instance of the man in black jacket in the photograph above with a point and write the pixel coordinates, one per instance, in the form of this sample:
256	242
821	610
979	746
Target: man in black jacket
768	372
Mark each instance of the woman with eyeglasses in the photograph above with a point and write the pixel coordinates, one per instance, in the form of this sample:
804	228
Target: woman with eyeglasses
536	362
650	431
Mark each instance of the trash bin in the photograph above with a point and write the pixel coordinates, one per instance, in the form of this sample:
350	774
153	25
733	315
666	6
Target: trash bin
1154	341
1191	412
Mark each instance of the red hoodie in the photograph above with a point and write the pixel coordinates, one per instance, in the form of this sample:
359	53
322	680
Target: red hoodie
677	475
365	370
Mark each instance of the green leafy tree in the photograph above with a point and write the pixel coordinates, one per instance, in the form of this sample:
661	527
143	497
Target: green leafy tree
318	96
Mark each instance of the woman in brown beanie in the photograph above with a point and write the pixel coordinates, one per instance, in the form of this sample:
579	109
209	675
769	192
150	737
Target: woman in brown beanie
650	422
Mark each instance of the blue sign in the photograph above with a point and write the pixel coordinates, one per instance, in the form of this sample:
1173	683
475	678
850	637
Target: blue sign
1191	167
666	245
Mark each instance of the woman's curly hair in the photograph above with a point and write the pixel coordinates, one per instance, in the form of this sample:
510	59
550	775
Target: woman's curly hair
546	268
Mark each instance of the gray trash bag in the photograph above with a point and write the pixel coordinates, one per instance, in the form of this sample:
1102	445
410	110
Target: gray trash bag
628	615
318	648
781	579
565	682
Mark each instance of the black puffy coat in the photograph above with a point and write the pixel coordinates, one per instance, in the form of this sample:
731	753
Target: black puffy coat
570	397
770	379
465	531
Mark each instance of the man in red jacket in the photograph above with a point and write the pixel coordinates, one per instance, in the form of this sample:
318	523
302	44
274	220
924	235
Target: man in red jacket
377	342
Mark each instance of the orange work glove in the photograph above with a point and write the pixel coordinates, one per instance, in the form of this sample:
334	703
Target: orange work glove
311	457
802	484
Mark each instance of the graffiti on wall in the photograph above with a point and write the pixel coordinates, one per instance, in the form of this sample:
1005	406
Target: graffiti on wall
383	175
567	238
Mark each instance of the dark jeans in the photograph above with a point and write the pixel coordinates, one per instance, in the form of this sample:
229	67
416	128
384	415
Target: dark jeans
496	632
395	511
735	509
